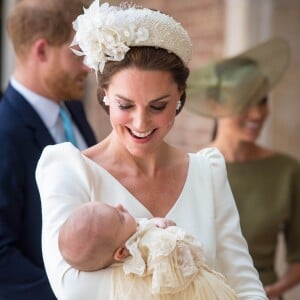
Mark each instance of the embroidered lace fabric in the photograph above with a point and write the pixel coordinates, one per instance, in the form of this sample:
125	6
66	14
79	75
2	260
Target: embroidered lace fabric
166	264
171	256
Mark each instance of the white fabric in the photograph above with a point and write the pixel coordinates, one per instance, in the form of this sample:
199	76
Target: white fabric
48	111
166	264
106	33
205	209
171	256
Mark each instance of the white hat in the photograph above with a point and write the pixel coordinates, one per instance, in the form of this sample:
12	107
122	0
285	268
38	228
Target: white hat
105	32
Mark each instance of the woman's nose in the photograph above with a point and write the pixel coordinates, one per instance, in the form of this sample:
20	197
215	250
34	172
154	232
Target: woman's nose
140	120
258	111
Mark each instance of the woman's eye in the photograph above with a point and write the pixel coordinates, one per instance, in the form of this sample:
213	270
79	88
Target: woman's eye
158	107
125	106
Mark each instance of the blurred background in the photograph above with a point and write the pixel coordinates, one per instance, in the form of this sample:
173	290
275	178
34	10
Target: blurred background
218	28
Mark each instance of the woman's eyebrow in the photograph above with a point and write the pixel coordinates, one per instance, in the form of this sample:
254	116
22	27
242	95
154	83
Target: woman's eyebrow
153	100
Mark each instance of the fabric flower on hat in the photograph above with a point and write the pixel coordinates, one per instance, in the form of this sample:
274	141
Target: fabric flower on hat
102	36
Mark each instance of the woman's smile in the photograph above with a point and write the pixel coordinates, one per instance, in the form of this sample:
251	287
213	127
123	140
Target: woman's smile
141	135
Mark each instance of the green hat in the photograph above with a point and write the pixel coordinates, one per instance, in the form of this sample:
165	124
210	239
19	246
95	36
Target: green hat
229	86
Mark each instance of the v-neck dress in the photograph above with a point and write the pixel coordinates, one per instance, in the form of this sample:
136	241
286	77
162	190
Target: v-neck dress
205	209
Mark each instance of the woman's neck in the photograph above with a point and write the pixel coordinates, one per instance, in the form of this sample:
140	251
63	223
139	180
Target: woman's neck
240	151
113	156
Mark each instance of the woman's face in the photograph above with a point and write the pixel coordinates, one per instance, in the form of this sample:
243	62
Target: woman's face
248	125
142	105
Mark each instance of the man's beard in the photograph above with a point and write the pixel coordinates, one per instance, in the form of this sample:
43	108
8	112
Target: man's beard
64	87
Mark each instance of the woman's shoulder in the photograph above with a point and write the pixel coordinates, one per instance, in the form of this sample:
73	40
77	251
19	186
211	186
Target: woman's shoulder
285	163
59	153
211	155
209	160
285	159
272	161
59	157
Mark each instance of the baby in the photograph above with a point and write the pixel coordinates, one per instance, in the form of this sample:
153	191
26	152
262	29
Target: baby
94	236
150	259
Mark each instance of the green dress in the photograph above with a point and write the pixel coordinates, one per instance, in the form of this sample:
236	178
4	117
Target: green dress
267	194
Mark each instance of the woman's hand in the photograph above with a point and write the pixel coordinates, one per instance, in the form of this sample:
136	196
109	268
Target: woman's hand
273	291
290	278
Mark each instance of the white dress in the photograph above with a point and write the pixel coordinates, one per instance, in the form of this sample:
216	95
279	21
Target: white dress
205	209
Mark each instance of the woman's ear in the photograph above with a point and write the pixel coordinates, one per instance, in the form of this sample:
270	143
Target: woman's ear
120	254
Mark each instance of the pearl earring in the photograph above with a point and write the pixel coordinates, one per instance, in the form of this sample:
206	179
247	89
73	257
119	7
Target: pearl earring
178	105
105	100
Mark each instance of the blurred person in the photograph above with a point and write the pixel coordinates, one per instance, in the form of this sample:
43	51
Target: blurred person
141	59
265	183
46	73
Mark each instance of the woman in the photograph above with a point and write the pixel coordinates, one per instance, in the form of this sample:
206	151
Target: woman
266	186
141	58
265	183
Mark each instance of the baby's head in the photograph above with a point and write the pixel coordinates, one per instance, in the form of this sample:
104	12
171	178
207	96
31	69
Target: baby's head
94	236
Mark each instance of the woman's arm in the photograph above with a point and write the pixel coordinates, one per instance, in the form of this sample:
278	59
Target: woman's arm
290	278
233	259
65	182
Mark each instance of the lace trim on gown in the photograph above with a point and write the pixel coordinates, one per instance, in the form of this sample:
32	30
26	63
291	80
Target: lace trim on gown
173	259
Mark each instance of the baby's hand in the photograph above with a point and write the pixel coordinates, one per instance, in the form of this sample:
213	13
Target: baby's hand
163	223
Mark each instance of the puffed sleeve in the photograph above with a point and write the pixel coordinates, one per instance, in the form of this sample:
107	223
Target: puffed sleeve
232	256
64	182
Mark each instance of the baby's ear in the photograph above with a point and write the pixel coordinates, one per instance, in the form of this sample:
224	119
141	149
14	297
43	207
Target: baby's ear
120	254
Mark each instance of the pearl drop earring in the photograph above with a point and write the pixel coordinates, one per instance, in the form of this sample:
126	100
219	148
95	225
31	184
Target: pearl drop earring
105	100
178	105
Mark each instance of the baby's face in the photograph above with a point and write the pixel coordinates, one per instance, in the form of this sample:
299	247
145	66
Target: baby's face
124	223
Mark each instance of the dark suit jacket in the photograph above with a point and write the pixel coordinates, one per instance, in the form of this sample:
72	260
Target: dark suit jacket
23	136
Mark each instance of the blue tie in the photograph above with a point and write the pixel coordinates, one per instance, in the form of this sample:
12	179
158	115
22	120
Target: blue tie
68	127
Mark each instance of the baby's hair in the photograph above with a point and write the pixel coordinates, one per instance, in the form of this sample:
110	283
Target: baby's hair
85	241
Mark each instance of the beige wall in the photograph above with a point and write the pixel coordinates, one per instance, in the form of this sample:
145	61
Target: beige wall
7	59
286	121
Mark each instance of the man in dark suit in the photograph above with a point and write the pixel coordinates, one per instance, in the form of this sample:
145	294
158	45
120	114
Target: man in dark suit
47	72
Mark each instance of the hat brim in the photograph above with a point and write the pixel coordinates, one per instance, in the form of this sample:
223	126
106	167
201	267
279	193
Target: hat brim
229	86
